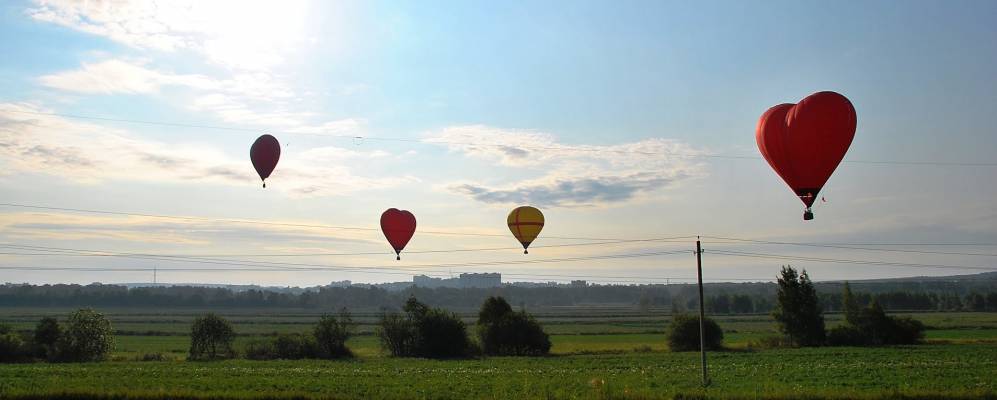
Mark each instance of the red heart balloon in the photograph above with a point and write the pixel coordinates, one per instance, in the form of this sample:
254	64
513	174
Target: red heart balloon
805	142
398	227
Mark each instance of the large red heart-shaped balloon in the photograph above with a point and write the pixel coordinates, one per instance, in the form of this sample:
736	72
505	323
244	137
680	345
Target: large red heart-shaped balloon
805	142
398	227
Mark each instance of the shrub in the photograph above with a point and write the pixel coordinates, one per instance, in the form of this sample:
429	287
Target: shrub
846	335
295	346
260	350
88	337
424	332
46	336
331	334
505	332
12	347
872	327
683	333
441	334
211	338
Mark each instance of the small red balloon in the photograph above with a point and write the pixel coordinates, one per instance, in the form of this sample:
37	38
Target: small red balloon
398	227
805	142
265	153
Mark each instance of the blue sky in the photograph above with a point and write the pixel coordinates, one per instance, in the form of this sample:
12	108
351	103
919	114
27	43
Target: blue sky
602	114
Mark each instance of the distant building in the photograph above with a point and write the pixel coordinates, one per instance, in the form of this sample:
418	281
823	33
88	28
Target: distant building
579	283
485	280
343	283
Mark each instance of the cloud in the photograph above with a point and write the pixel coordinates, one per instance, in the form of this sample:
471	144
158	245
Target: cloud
116	76
88	153
245	99
137	229
237	34
571	175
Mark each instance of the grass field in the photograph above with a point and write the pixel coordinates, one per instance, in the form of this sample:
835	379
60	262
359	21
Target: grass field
617	355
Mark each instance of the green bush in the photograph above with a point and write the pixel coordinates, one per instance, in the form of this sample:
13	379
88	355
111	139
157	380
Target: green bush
211	338
13	348
295	346
424	332
846	335
88	337
261	349
46	337
871	326
331	334
505	332
683	333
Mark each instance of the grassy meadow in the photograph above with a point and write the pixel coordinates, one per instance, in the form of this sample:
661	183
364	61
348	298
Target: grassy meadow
596	354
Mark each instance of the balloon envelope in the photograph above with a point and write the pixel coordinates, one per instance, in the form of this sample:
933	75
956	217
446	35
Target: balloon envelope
525	223
264	153
805	142
398	227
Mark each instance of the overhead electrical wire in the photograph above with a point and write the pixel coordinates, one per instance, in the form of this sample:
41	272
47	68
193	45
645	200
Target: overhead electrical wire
845	261
432	141
851	247
286	224
603	243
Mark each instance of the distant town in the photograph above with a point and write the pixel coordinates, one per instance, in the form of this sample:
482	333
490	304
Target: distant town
461	281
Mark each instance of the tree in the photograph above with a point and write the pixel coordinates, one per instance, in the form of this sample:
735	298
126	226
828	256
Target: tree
424	332
47	334
850	305
506	332
683	333
211	338
331	334
798	311
493	309
975	302
88	337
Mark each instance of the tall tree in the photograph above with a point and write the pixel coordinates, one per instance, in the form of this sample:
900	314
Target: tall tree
798	311
850	305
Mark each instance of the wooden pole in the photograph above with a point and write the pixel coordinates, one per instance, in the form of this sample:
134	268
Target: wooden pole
702	312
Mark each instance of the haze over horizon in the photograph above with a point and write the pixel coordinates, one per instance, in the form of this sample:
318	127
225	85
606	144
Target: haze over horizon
125	133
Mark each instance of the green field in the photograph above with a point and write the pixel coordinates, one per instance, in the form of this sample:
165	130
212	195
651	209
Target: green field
618	354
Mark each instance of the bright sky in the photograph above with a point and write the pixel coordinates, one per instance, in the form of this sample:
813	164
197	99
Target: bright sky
620	120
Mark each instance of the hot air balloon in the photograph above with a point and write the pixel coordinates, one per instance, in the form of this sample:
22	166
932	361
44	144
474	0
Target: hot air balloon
525	223
805	142
398	227
265	153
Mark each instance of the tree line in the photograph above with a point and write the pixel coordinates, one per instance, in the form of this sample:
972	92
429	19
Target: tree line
723	298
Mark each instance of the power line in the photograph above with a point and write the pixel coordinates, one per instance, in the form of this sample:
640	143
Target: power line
844	261
379	253
289	267
498	145
295	225
836	246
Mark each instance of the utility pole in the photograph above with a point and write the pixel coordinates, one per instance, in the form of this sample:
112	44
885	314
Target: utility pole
702	311
154	270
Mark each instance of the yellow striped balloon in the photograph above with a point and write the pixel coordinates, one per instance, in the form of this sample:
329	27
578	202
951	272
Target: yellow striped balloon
525	223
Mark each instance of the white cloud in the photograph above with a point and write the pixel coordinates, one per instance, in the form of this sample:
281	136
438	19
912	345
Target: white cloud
245	99
88	153
116	76
247	35
572	175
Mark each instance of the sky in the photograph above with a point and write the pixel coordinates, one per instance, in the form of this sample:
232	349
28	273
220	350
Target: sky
629	124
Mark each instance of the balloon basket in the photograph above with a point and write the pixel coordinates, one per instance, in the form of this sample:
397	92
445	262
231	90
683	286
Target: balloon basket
808	215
